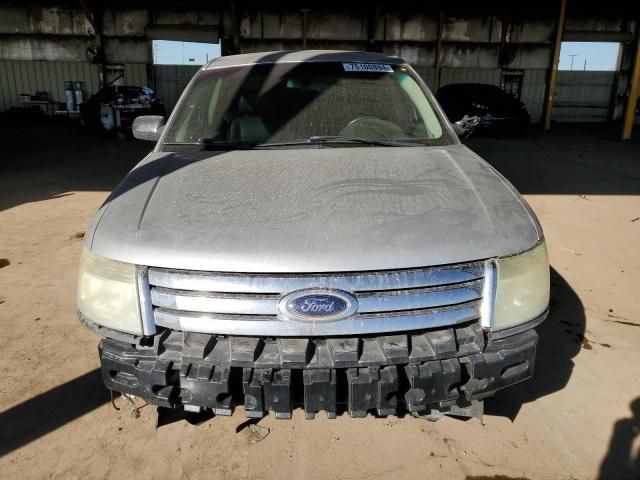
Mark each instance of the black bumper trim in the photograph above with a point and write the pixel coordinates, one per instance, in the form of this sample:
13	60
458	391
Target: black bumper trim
335	352
449	379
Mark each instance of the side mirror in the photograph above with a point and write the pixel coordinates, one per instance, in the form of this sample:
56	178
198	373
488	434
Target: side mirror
148	127
466	126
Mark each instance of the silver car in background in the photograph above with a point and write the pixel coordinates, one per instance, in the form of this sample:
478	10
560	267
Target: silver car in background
310	231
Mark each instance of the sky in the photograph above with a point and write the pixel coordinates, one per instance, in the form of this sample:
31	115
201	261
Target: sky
167	52
598	55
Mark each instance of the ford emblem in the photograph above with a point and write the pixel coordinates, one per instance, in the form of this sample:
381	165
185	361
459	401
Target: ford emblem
318	305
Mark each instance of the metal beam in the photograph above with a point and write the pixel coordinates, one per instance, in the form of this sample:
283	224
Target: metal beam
576	36
436	71
634	91
184	33
235	26
372	30
553	77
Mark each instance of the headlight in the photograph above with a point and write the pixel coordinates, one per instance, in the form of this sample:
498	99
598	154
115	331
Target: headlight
108	293
522	288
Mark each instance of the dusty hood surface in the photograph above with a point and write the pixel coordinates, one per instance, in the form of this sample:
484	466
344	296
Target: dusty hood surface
312	210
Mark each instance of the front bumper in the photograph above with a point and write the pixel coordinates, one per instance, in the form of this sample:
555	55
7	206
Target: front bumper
445	370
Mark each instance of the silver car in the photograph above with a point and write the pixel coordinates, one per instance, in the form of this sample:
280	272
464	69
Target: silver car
309	230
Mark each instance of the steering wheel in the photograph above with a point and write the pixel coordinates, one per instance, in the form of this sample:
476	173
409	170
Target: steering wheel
371	127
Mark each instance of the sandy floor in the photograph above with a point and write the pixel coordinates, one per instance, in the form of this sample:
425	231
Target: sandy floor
579	418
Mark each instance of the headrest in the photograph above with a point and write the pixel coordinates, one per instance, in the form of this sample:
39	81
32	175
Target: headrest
244	108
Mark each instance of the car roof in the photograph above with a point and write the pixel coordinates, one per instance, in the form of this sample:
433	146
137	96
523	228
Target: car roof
302	56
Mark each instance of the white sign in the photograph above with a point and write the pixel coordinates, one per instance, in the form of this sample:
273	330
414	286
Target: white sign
367	67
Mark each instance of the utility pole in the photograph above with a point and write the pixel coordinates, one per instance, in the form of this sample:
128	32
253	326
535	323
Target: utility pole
573	56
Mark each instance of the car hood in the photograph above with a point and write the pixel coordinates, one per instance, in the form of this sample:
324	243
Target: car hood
312	210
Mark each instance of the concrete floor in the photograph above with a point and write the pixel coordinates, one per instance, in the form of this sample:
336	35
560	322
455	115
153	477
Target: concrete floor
579	418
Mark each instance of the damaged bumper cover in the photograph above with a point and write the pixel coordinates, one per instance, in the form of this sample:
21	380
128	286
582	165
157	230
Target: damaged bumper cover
427	372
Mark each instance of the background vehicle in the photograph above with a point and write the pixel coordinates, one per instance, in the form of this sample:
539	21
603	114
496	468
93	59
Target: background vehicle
113	108
499	111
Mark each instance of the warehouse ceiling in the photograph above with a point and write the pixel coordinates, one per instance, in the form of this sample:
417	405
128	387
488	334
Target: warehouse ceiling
538	7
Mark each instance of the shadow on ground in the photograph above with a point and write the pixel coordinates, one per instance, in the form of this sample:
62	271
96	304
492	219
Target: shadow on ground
51	160
622	461
570	159
562	336
53	409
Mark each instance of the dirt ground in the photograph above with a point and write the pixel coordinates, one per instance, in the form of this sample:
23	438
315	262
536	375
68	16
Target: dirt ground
579	418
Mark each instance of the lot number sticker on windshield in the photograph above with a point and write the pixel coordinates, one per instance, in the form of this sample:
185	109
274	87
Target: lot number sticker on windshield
367	67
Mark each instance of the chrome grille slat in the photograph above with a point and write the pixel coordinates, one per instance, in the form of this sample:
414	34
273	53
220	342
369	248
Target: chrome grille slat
416	299
281	283
249	304
226	303
382	301
360	324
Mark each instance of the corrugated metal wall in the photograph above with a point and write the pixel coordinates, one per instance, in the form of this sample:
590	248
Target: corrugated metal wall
25	76
18	77
170	81
533	89
136	74
584	96
491	76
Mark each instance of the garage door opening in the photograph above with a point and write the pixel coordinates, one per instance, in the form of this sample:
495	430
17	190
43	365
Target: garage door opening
590	56
175	62
587	82
169	52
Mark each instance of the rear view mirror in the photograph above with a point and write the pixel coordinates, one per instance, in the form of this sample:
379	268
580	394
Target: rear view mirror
466	126
148	127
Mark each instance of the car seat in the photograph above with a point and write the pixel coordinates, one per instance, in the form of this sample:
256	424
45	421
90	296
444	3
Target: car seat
247	126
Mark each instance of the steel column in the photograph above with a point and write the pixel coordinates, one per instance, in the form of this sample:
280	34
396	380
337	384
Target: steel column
436	72
553	77
94	15
634	91
305	26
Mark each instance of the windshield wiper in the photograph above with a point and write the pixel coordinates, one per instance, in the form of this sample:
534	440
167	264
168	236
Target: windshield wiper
338	139
210	144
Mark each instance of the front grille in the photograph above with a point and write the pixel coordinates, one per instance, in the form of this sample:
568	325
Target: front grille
247	304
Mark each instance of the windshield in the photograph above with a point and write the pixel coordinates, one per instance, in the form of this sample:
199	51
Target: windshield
295	102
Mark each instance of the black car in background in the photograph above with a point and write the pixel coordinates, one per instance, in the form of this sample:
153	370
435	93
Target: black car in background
499	111
113	108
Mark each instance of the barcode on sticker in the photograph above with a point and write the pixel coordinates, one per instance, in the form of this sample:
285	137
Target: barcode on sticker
367	67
